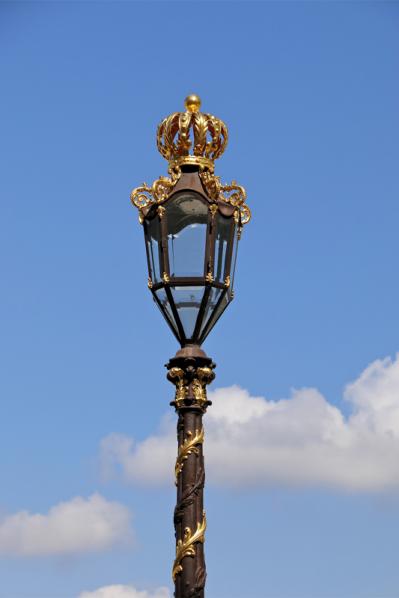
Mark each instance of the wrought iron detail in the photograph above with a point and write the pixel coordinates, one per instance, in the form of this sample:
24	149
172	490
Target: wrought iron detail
189	495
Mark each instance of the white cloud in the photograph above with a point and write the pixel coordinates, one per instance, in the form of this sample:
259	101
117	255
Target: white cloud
79	525
303	440
119	591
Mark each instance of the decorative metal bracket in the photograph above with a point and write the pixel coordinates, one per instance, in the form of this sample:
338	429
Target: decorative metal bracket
234	194
146	196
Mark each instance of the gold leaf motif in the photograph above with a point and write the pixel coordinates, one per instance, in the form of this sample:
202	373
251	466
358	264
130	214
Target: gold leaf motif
163	150
214	127
177	375
171	128
234	194
213	208
199	129
211	184
188	447
141	197
204	376
175	134
184	141
161	212
186	546
144	196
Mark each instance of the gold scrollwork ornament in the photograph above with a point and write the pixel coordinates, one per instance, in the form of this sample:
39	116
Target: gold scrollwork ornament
186	546
145	196
189	446
234	194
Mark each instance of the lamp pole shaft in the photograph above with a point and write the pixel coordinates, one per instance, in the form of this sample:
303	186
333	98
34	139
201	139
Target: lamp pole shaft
190	375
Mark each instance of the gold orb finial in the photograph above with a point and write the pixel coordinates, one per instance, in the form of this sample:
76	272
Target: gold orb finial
192	103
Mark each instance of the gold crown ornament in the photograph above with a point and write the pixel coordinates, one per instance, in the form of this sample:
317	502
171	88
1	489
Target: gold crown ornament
191	138
204	134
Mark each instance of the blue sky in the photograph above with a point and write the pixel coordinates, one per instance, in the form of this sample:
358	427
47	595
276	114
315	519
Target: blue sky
309	506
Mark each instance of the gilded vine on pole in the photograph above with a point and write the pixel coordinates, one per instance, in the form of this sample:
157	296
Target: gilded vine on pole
186	546
189	446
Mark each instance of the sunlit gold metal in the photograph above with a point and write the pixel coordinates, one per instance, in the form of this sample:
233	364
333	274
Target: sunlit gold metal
192	138
204	377
189	446
150	284
161	211
227	282
177	374
204	134
165	278
213	208
209	277
185	547
203	163
234	194
199	391
145	196
192	103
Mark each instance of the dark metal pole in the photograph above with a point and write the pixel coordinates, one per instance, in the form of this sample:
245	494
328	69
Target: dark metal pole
190	370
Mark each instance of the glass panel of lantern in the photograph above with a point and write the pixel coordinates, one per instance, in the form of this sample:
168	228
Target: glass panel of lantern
225	247
162	301
187	219
187	216
224	231
179	245
152	232
237	231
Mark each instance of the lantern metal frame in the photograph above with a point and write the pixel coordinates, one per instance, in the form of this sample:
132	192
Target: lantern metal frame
190	181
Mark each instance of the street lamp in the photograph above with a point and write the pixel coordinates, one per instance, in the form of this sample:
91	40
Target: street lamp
192	225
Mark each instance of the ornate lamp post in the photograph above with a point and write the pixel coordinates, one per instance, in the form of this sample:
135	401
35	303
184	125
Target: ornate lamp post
192	225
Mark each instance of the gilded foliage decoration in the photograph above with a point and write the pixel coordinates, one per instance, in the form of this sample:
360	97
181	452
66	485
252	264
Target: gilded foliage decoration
186	546
189	446
206	134
144	196
234	194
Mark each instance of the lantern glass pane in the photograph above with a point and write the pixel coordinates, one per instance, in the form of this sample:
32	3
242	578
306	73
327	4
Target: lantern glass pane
152	231
213	299
222	246
234	257
187	216
218	312
188	302
165	308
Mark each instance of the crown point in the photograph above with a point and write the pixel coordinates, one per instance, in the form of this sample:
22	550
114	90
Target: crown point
192	103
